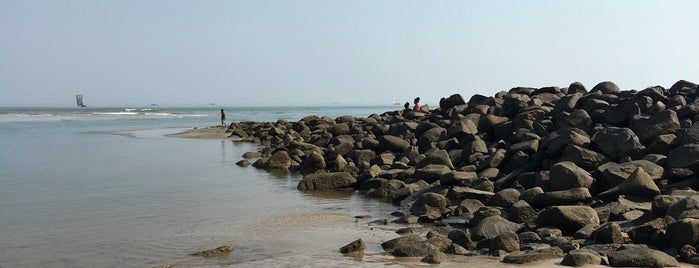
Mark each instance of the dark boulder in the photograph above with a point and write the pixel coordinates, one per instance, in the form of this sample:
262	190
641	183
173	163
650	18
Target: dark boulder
617	142
638	184
356	247
312	163
493	226
392	244
584	158
664	122
687	207
324	181
392	143
581	257
555	142
568	218
556	198
415	250
683	161
606	87
507	241
534	256
641	257
566	175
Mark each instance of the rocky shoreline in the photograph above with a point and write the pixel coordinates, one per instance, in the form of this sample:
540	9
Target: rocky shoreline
604	176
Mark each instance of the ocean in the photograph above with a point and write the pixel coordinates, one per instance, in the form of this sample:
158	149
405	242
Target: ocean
104	187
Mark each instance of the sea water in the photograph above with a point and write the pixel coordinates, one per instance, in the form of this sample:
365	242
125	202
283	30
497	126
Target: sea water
104	187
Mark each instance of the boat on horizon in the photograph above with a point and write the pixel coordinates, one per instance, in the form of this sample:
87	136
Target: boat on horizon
79	101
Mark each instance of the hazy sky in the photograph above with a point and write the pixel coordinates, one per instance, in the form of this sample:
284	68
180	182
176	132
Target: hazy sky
250	53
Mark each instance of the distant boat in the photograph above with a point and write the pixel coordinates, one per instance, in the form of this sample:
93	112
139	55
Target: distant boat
79	100
395	102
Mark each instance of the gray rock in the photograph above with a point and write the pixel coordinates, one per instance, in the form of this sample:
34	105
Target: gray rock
608	233
431	173
434	200
279	160
458	178
392	244
534	256
507	241
638	184
641	257
312	163
415	250
216	252
504	198
606	87
356	246
664	122
584	158
392	143
614	174
684	208
461	193
683	161
439	157
555	142
617	142
581	257
521	212
555	198
568	218
683	232
470	206
566	175
462	237
324	181
493	226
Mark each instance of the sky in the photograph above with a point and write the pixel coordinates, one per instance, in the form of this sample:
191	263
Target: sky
327	52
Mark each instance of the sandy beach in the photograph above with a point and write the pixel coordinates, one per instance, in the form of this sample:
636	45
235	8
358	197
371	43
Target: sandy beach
213	132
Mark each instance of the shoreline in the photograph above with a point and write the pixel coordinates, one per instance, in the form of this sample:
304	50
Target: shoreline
530	175
212	132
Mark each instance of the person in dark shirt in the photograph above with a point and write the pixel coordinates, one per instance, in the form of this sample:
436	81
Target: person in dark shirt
223	118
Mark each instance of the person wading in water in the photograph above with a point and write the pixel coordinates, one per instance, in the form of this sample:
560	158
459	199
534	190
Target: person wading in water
223	118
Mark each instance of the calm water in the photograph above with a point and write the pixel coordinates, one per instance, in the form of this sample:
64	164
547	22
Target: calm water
105	188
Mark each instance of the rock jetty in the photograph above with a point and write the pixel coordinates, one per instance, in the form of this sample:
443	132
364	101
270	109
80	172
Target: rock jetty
528	174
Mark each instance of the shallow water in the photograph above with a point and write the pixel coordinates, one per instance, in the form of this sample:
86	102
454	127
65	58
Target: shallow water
83	188
107	192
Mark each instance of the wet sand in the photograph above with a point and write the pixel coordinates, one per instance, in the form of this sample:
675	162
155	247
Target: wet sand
213	132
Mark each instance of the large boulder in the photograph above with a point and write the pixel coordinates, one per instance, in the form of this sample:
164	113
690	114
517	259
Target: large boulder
568	218
638	184
566	175
439	157
615	173
312	163
556	198
555	142
491	227
641	257
664	122
279	160
416	250
683	161
447	103
355	247
507	241
392	244
324	181
392	143
683	232
606	87
534	256
584	158
617	142
687	207
581	257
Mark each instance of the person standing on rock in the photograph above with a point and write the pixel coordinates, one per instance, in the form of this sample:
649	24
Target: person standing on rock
417	104
223	118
